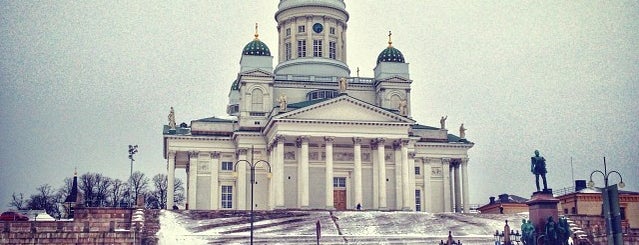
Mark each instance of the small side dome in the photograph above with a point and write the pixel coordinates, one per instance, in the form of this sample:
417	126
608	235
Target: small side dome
390	54
256	47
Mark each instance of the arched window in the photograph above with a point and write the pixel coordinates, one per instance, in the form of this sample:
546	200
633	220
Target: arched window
257	100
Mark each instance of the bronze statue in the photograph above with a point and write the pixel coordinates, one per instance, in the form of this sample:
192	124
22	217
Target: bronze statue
527	232
550	235
538	167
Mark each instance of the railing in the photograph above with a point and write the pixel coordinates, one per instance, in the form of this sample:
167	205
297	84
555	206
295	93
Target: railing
323	79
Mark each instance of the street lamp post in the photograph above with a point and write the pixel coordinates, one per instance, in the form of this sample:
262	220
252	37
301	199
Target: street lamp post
132	150
252	164
610	198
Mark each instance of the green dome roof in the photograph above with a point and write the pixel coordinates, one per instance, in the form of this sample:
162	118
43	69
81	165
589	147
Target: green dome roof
257	48
390	54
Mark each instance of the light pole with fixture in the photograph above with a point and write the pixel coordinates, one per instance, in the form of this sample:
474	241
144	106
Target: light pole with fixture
252	164
132	150
611	210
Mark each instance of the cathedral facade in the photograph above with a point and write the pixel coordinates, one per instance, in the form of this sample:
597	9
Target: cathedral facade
306	135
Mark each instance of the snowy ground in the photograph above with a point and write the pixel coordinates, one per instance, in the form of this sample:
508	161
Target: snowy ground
348	227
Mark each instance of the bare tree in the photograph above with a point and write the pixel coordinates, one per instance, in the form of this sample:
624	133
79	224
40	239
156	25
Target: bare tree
102	185
67	185
87	183
139	184
18	201
45	199
158	195
116	192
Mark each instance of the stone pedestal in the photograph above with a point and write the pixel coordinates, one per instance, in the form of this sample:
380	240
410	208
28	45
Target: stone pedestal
542	205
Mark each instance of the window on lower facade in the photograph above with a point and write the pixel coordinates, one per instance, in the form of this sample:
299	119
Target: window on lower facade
301	48
418	171
227	166
418	200
317	48
339	182
227	196
332	50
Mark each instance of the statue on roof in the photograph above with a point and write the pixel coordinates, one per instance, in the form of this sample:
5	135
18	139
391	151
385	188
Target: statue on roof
343	85
172	119
538	167
442	122
283	102
462	131
403	107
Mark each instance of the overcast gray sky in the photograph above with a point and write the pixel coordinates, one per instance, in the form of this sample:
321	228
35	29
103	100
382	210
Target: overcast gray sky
80	81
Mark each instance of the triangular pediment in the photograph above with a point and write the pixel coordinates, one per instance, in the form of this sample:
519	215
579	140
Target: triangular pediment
395	79
344	109
256	72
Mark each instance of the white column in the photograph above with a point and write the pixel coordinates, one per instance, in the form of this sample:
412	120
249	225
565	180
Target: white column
411	182
374	157
381	154
465	191
303	181
399	174
427	194
192	200
357	170
170	180
408	190
457	188
279	170
446	172
329	172
241	179
215	168
271	186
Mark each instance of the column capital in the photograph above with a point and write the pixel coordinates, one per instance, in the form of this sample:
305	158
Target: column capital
193	154
411	155
464	161
357	140
242	151
280	138
380	140
172	153
446	160
397	144
329	139
301	140
405	142
215	154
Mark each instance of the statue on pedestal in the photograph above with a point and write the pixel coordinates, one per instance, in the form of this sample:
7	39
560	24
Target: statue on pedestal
283	102
403	107
442	122
462	131
343	85
172	119
538	167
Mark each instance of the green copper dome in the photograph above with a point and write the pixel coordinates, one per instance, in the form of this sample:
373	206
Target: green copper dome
257	48
390	54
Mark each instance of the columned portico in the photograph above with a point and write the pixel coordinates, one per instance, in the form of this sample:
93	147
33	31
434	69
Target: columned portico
407	188
170	180
241	178
278	172
303	182
215	165
357	169
381	157
464	166
329	172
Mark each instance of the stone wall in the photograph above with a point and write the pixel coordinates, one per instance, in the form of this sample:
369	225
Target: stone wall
90	226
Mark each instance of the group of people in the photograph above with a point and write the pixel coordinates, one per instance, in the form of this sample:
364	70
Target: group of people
555	233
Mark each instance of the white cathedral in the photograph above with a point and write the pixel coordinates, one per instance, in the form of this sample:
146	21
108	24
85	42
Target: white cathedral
310	136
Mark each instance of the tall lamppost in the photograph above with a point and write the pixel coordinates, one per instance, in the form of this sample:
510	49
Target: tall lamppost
132	150
610	198
252	164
